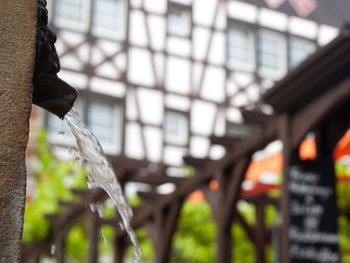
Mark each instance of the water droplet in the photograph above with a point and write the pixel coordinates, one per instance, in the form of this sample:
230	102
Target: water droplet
53	249
104	237
61	132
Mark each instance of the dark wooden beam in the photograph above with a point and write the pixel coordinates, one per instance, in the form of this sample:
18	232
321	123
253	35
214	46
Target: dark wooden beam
161	229
156	180
58	251
226	141
260	232
234	187
93	228
119	248
313	113
285	136
196	162
249	230
150	197
256	117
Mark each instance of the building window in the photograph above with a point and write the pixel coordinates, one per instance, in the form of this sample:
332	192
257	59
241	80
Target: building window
240	48
179	20
176	127
299	50
109	18
240	130
272	57
72	13
105	121
104	118
58	129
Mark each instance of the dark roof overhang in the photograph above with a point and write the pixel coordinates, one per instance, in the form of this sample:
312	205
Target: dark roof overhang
315	76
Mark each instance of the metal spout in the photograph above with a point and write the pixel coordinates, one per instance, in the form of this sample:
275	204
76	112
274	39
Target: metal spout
49	91
53	94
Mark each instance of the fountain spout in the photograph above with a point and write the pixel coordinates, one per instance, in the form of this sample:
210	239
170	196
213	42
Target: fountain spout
49	91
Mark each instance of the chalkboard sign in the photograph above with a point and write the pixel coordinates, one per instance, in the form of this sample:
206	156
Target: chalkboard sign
313	231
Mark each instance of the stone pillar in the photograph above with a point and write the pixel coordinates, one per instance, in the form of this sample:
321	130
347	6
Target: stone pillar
17	53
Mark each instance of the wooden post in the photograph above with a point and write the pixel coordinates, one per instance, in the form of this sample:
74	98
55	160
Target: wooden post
284	134
161	231
93	237
119	248
223	204
224	242
59	251
260	232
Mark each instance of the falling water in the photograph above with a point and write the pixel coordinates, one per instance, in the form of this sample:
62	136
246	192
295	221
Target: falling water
100	172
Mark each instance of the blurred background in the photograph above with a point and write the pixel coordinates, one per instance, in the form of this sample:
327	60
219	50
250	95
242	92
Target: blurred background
159	81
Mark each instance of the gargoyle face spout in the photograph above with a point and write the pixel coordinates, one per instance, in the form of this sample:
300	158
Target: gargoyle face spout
49	91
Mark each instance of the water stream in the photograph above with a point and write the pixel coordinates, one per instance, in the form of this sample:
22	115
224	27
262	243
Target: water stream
100	173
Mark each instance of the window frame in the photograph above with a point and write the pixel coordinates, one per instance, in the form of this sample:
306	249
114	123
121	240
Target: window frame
269	73
253	46
175	140
115	149
303	39
246	129
108	33
184	8
83	25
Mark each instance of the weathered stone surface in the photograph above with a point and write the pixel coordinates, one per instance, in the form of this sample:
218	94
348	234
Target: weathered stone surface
17	52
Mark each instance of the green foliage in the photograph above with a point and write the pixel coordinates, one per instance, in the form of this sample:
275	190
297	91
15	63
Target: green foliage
53	180
343	202
194	240
76	245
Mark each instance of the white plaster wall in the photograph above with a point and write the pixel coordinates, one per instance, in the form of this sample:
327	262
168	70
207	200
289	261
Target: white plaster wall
159	62
327	34
108	87
217	54
77	80
131	110
154	141
216	152
133	142
151	105
157	25
233	114
202	117
179	46
173	155
176	102
273	19
178	75
108	70
199	146
137	33
155	6
242	11
204	13
200	42
197	71
140	67
303	27
214	84
183	2
70	61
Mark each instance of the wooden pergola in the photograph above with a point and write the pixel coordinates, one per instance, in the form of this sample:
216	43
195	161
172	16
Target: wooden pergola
315	97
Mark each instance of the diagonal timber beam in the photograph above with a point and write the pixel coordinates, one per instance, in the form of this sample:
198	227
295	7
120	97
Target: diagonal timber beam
161	229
